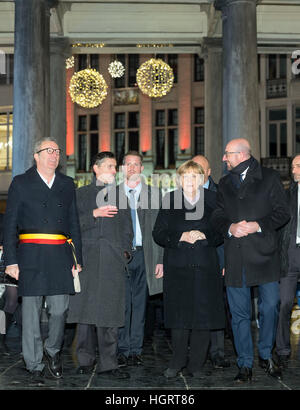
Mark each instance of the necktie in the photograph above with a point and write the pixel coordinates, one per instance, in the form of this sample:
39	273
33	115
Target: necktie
133	213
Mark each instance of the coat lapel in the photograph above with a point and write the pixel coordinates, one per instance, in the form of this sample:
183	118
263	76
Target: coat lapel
37	184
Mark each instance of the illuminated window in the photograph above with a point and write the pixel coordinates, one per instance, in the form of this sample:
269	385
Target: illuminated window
87	141
166	138
198	68
6	129
277	128
297	129
7	77
131	64
126	133
199	131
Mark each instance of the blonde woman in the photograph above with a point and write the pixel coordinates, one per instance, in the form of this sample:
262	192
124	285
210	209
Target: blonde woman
193	299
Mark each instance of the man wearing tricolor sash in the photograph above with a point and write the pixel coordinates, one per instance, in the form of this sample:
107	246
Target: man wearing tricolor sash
42	245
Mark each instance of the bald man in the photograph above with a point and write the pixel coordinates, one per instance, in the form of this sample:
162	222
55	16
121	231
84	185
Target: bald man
290	267
251	207
217	350
203	161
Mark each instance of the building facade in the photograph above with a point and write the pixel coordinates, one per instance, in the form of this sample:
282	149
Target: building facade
187	121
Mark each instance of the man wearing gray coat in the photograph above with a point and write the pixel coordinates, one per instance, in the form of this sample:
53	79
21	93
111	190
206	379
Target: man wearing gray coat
106	238
145	268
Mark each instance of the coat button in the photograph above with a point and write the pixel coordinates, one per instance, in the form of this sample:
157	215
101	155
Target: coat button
44	204
45	221
59	205
59	221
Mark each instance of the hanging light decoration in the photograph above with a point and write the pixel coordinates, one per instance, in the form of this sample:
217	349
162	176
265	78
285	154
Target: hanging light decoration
70	62
88	88
155	78
116	69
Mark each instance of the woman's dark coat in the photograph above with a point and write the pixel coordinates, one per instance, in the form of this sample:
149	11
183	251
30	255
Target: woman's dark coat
102	298
260	198
193	289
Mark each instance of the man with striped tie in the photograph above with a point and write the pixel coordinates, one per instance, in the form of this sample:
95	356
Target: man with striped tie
145	268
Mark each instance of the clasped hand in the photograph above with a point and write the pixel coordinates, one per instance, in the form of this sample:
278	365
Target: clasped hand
243	228
192	236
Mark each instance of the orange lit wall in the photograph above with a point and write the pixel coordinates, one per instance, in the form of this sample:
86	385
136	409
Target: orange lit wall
105	108
70	115
145	117
184	101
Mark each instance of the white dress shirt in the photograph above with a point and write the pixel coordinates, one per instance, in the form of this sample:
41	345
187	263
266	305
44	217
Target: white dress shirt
49	185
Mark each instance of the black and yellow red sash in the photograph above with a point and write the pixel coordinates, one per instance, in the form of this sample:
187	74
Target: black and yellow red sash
48	239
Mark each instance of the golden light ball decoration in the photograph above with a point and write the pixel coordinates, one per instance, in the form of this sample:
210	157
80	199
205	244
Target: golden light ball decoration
88	88
116	69
155	78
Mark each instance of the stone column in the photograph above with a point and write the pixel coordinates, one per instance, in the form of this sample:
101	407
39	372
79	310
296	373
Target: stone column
240	81
70	127
185	105
31	79
145	107
212	53
105	109
59	51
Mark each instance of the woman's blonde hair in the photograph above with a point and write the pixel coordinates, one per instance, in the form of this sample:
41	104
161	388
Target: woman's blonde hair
187	166
190	165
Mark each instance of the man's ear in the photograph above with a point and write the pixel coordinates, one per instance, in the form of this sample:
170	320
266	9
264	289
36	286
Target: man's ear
95	167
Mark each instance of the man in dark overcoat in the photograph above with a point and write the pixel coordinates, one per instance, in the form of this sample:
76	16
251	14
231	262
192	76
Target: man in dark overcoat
40	221
146	266
251	207
290	267
106	237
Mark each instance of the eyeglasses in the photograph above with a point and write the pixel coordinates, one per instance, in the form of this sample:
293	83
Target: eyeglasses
50	151
226	153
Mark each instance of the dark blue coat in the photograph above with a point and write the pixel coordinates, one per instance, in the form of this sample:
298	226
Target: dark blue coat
34	208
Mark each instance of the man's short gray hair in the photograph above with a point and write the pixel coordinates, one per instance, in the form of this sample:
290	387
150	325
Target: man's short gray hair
39	142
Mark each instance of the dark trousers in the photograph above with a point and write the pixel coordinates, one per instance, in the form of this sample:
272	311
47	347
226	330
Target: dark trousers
288	287
190	348
154	314
131	336
216	350
107	338
241	310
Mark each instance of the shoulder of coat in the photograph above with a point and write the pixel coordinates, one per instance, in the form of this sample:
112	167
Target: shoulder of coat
65	178
269	173
83	190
